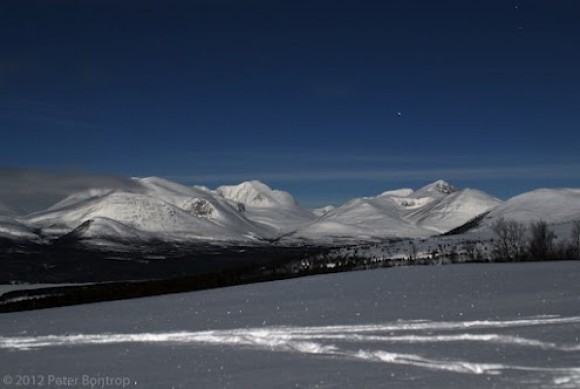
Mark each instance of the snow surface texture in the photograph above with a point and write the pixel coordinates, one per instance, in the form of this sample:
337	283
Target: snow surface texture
437	327
158	209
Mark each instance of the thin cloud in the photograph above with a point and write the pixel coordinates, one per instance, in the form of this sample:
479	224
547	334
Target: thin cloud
556	171
38	111
29	190
62	122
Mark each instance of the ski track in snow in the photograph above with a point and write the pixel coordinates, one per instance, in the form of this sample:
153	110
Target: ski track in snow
319	341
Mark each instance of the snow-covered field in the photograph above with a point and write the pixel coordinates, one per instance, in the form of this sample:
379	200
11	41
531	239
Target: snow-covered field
476	326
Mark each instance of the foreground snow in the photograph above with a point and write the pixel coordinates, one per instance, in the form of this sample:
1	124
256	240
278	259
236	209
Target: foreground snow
504	325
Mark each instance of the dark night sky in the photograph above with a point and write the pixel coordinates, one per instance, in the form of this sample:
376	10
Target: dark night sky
327	99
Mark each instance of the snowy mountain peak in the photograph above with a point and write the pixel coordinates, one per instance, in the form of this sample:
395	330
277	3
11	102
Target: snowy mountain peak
435	208
256	194
255	185
453	209
323	210
438	186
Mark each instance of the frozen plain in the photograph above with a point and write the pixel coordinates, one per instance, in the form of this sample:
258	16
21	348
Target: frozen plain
476	325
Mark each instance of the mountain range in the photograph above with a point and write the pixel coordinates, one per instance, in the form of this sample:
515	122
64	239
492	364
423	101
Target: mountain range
155	209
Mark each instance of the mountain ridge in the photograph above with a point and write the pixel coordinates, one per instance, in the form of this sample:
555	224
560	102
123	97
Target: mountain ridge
252	212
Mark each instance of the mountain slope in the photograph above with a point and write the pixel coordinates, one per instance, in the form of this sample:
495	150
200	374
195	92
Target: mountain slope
134	209
403	213
323	210
453	210
381	215
274	209
105	231
257	194
159	209
165	209
550	205
208	205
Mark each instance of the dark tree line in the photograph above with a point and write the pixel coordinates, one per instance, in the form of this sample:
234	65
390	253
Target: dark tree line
510	241
537	241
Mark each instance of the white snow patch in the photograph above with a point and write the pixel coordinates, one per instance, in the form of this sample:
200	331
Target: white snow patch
317	341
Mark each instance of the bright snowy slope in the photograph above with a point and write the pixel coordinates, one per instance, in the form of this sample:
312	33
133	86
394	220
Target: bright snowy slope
453	210
104	231
257	194
435	208
209	205
550	205
165	209
364	218
275	209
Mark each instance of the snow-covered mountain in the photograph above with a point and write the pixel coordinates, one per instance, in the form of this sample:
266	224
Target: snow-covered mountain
549	205
208	205
104	231
275	209
257	194
136	210
323	210
372	217
452	210
157	209
435	208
